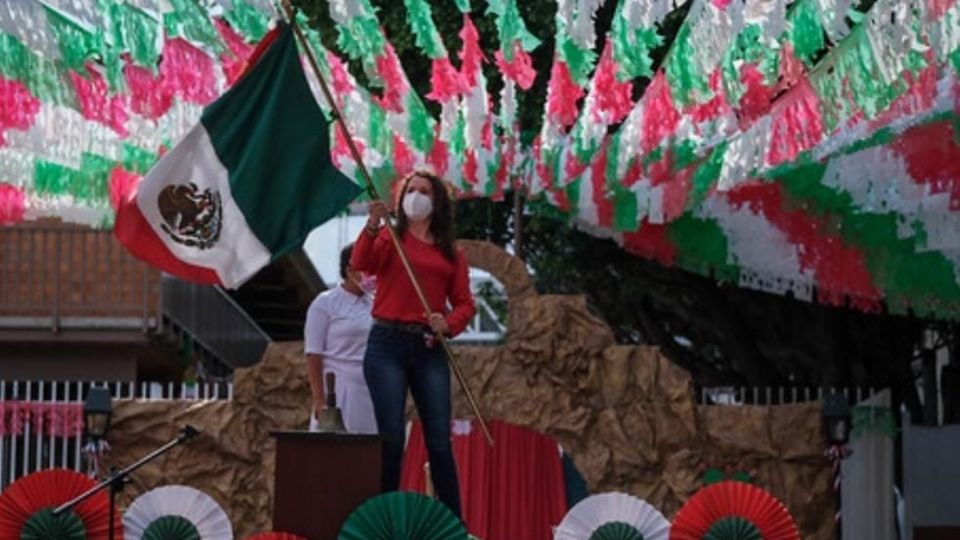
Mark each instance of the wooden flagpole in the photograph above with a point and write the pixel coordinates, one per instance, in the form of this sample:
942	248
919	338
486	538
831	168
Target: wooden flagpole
372	191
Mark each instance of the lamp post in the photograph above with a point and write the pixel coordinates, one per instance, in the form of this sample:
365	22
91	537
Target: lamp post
836	427
97	413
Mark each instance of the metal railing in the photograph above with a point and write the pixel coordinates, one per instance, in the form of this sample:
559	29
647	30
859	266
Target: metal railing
41	421
215	321
62	276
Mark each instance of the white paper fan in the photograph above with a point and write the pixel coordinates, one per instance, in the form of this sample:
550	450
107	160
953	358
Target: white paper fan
609	516
195	506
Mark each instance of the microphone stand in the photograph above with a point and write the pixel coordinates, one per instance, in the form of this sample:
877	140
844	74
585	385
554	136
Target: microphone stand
118	479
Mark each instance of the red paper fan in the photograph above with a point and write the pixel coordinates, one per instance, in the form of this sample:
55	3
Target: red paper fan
275	536
733	510
29	502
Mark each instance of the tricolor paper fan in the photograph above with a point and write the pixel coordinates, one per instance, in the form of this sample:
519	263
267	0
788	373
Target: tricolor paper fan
402	516
176	513
26	508
275	536
613	516
733	511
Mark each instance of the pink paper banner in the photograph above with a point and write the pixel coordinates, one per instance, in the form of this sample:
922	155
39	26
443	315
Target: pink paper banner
50	419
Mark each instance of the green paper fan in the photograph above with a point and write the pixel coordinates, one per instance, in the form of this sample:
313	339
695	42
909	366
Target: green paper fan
616	530
43	525
733	528
171	528
402	516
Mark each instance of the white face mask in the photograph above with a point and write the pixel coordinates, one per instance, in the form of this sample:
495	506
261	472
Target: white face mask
417	206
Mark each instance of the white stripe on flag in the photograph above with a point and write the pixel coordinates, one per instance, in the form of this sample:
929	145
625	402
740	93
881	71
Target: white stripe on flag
238	254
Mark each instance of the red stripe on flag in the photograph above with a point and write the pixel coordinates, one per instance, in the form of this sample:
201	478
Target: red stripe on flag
261	48
135	233
122	186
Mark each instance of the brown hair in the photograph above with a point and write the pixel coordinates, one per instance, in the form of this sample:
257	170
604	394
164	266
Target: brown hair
441	220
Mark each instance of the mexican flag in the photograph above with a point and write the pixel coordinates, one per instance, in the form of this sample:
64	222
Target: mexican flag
244	186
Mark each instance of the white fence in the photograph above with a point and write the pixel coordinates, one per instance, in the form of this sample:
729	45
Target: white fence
775	395
41	422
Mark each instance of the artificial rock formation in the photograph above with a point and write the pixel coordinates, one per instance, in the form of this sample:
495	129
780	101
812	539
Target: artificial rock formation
625	414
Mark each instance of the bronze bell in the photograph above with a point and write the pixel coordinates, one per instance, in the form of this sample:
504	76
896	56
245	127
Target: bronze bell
330	419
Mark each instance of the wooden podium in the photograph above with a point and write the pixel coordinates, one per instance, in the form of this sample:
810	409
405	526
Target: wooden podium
321	478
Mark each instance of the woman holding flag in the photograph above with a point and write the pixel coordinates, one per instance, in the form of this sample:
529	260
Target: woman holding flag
402	351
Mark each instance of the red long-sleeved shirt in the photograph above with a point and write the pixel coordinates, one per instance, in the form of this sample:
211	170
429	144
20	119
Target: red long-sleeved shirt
441	280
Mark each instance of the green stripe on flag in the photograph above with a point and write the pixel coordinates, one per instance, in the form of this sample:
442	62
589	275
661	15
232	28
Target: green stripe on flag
272	137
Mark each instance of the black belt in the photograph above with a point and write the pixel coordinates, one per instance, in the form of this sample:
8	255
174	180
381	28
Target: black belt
413	328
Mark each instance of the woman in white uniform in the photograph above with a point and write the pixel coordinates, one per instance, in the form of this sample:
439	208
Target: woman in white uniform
335	339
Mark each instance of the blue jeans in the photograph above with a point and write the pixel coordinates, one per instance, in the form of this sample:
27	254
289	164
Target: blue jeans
395	360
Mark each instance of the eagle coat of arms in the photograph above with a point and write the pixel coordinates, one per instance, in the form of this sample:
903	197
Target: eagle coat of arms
190	216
